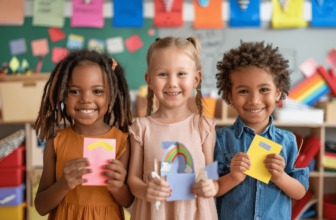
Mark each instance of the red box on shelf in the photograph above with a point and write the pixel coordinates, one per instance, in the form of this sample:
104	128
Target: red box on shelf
329	206
14	159
11	176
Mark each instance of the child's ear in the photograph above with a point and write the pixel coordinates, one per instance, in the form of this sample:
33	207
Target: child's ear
277	95
198	77
148	80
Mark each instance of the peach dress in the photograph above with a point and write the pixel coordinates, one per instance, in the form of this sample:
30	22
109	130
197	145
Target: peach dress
150	133
85	202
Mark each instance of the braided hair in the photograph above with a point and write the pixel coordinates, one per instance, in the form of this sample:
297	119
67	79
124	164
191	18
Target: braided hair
55	93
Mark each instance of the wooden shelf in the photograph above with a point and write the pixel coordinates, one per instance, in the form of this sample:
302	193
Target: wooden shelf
325	174
314	174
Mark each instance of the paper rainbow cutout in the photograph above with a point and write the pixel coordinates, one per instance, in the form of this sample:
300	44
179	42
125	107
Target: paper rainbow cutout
179	150
310	90
100	143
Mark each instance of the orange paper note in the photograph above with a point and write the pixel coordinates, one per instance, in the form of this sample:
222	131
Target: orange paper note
208	17
12	12
172	18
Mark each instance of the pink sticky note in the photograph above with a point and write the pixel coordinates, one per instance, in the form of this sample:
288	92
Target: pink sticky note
58	53
309	67
56	34
87	14
133	43
40	47
98	151
331	58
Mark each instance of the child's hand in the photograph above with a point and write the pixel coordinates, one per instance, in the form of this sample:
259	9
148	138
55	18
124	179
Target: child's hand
240	163
157	190
275	165
117	173
204	189
73	169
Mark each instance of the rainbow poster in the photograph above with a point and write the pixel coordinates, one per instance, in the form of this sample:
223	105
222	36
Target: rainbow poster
310	90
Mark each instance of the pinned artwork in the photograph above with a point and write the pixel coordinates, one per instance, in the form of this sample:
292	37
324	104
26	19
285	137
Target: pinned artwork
99	152
210	16
24	65
97	45
133	43
168	4
203	3
40	47
115	45
75	42
58	53
18	46
14	64
178	166
244	13
56	34
12	12
128	13
323	13
291	18
331	58
309	67
173	18
259	149
87	14
243	4
48	13
284	4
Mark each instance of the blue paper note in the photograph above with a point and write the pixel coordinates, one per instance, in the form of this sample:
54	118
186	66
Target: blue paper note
181	186
324	15
212	170
17	46
265	146
248	18
128	13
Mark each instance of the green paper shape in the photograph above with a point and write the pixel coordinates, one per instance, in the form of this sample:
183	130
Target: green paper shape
24	65
14	64
48	13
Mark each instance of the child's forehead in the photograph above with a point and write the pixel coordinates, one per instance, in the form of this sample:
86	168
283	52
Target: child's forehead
251	75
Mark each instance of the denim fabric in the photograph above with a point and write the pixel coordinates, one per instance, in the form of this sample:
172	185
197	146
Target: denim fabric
253	199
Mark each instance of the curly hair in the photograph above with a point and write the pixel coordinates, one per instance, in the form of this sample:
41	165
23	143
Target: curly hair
253	54
55	93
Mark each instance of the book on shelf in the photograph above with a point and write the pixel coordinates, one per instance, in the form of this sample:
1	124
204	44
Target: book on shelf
299	207
311	146
329	161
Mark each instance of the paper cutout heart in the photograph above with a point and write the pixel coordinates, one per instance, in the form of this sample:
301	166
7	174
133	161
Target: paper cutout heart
168	4
243	4
203	3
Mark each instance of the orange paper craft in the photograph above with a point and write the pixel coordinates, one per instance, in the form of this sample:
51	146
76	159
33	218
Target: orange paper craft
168	19
12	12
208	17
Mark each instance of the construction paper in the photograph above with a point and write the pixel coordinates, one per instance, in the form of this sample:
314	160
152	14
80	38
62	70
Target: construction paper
162	18
324	14
87	14
133	43
331	58
14	64
56	34
24	65
18	46
211	170
320	2
258	152
58	53
284	4
181	186
292	18
98	151
329	77
128	13
245	18
308	68
203	3
12	12
115	45
97	45
75	41
40	47
48	13
210	16
243	4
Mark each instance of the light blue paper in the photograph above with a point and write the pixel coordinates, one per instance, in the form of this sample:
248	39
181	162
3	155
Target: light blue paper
18	46
248	18
324	15
203	3
265	146
128	13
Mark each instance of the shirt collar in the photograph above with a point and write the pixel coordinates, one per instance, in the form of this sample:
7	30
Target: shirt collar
239	127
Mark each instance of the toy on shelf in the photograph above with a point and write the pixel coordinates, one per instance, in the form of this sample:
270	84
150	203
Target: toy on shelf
330	78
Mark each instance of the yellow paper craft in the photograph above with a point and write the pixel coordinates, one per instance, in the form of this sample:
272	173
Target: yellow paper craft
293	17
102	144
259	149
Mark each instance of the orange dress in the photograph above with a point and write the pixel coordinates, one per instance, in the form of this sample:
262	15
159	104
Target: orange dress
85	202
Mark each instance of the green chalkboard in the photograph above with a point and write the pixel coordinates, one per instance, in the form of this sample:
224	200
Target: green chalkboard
134	63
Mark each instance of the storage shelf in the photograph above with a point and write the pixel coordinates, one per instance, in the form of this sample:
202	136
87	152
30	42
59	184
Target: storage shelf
325	174
314	174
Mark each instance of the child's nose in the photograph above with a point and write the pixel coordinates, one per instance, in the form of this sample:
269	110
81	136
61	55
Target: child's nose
254	99
86	98
172	82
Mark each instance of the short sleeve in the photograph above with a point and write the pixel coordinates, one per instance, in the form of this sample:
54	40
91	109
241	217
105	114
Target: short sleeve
137	131
57	138
219	156
121	139
208	126
301	174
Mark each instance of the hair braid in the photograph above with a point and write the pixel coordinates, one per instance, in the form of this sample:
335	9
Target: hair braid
150	101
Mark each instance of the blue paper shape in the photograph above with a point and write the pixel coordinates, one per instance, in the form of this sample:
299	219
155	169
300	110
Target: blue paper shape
128	13
18	46
265	146
211	170
181	186
248	18
324	15
203	3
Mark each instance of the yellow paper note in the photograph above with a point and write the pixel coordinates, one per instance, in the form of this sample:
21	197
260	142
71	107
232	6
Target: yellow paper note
259	149
293	17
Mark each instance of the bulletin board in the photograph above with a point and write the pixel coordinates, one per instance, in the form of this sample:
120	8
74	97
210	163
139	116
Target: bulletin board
134	63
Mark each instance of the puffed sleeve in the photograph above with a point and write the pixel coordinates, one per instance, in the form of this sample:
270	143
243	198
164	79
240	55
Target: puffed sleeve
208	126
137	131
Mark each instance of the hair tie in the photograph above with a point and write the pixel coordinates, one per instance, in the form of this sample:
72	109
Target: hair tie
114	64
157	39
198	90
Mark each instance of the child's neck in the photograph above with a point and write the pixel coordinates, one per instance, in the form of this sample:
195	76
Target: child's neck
258	127
94	129
168	116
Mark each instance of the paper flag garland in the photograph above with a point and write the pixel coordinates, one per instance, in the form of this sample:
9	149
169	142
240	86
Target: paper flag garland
284	4
320	2
168	4
243	4
203	3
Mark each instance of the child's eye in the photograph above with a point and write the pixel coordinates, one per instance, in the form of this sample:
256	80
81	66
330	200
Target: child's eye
243	91
74	91
264	90
181	74
162	74
98	91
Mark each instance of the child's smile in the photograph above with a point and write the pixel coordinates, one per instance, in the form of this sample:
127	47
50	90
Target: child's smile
254	95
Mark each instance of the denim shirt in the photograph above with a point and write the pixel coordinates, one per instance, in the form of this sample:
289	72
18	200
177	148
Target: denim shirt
253	199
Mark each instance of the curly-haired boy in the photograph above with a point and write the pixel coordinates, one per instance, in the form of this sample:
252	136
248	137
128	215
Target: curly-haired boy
252	78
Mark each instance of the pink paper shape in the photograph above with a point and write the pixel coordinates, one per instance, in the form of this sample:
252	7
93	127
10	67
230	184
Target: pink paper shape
309	67
58	53
56	34
331	58
40	47
133	43
87	14
97	157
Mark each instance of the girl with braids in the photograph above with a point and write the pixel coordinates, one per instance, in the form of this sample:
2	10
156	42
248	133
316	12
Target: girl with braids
174	70
89	90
